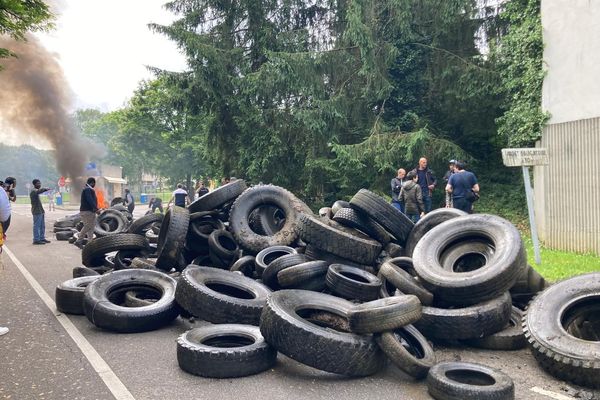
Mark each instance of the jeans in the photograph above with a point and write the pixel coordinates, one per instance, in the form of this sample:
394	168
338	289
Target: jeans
413	217
462	204
427	201
398	206
39	227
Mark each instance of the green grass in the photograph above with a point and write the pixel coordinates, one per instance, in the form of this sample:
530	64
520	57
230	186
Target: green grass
557	264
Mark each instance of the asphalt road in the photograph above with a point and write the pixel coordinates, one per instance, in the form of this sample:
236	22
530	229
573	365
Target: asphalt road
40	360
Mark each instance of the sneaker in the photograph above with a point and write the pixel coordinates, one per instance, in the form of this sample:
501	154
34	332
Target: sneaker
3	330
45	241
39	242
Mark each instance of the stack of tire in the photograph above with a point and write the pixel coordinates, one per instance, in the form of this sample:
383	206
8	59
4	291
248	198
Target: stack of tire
64	228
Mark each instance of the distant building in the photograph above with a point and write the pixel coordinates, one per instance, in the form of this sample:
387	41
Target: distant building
110	180
567	190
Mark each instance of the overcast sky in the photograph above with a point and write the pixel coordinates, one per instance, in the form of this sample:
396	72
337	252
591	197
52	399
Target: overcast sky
104	47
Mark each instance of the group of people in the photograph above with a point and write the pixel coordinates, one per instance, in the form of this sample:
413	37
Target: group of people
412	192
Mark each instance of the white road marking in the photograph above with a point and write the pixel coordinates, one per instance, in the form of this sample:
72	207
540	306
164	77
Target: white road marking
111	380
550	394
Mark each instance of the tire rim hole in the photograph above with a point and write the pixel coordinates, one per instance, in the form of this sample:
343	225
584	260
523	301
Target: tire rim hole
470	377
269	258
227	243
354	277
231	291
116	295
469	262
582	319
325	319
228	341
410	343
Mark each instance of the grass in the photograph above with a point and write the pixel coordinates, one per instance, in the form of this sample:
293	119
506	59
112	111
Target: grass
557	264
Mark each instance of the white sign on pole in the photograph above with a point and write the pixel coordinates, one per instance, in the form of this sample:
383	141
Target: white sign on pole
524	157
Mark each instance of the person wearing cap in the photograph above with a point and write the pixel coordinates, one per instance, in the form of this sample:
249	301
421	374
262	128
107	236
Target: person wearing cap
464	188
451	170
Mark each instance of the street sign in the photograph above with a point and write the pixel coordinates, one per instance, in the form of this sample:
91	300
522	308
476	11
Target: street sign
62	181
524	157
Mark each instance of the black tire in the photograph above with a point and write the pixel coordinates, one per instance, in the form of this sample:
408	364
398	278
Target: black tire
110	222
510	338
461	380
269	220
202	224
495	277
171	238
404	281
270	254
218	197
335	241
269	276
245	265
408	349
81	271
561	326
221	297
479	252
318	254
103	299
529	281
338	205
356	219
391	219
222	244
427	223
141	225
384	314
283	326
301	274
123	258
69	294
224	351
352	283
93	254
116	201
64	223
255	197
394	250
466	323
64	235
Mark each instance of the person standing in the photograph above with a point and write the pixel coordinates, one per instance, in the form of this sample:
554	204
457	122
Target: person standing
464	188
129	201
37	210
427	182
202	190
51	200
412	197
10	183
179	197
396	185
4	217
88	210
450	172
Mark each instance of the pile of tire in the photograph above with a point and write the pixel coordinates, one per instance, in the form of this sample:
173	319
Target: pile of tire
342	292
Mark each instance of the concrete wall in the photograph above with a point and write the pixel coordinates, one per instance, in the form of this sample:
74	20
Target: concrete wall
567	190
571	30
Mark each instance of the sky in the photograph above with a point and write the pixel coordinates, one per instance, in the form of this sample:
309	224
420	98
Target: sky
103	47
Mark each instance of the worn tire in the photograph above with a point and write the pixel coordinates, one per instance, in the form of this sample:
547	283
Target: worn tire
352	283
529	281
64	235
270	254
171	238
140	298
338	205
245	265
356	219
283	326
256	197
403	280
105	314
391	219
509	338
269	276
338	242
218	197
427	223
94	252
119	221
495	277
142	224
407	349
224	351
461	380
384	314
301	274
69	294
222	244
561	326
466	323
221	297
81	271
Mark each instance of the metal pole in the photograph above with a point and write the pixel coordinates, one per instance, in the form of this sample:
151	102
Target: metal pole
529	195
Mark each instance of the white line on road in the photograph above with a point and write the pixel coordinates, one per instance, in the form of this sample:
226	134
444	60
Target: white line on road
550	394
112	381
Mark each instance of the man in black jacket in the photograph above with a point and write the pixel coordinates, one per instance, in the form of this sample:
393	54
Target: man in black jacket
427	181
88	210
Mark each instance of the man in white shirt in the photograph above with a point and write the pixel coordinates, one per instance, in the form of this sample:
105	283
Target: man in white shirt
4	217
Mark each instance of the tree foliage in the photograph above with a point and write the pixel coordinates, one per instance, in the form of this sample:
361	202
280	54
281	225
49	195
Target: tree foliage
17	17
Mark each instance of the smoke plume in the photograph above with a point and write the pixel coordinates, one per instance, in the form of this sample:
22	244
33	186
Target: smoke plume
35	100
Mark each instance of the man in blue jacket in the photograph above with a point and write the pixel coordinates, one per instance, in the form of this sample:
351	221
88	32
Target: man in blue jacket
88	210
